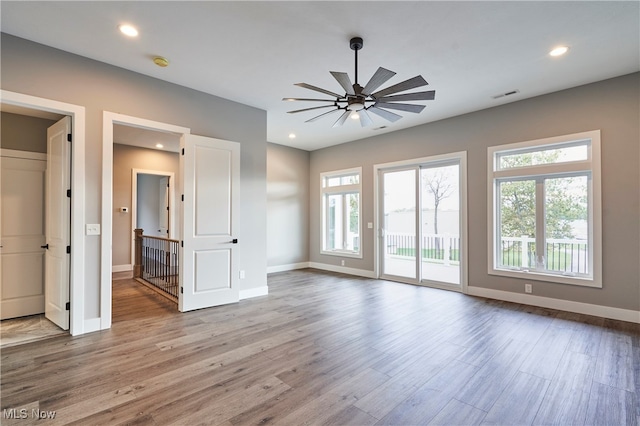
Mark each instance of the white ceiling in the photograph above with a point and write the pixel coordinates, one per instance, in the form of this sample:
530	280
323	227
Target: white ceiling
253	52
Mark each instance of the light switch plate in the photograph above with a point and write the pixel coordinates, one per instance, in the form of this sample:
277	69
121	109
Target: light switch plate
92	229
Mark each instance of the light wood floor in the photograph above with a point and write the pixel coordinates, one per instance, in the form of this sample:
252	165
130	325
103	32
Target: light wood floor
326	348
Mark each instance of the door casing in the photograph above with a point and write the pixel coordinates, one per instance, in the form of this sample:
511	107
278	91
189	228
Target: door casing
78	323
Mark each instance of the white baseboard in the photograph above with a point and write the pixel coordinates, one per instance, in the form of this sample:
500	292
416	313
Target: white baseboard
289	267
561	305
121	268
254	292
343	270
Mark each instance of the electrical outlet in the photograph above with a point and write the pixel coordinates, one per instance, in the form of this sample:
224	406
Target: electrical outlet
342	262
528	288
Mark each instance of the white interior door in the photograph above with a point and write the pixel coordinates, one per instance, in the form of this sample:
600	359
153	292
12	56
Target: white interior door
22	235
209	267
58	220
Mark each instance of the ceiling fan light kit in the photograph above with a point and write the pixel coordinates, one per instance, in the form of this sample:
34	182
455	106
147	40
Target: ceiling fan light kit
358	101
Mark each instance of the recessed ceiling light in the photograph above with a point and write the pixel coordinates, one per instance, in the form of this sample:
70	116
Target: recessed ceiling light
159	145
559	51
292	135
128	30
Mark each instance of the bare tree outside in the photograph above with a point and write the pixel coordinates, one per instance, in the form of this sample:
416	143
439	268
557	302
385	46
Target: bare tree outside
438	181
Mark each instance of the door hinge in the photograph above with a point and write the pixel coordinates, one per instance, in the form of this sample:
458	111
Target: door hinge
68	249
182	197
68	193
182	151
167	207
68	306
182	243
69	137
181	290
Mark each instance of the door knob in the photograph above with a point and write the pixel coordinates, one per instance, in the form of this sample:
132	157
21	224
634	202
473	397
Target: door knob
234	241
46	246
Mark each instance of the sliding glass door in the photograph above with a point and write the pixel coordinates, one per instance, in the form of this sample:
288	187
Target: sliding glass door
421	238
399	223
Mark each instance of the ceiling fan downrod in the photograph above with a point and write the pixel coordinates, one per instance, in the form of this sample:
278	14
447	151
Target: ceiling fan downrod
356	44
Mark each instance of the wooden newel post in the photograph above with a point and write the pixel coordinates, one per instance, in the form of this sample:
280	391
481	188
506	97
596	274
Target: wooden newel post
137	267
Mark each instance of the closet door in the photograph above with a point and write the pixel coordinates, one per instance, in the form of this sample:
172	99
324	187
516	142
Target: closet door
22	234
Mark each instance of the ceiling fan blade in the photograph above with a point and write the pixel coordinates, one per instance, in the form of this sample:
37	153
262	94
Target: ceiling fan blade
318	89
378	79
387	115
412	83
402	107
309	109
344	80
308	99
342	118
365	118
417	96
322	115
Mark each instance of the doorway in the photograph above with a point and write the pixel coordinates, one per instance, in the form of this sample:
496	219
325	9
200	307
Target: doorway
209	180
422	221
78	324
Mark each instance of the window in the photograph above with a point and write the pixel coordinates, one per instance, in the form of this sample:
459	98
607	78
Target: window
341	212
544	202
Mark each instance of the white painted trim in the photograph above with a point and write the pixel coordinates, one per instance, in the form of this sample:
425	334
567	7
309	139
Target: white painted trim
461	157
92	325
592	165
559	304
289	267
134	204
26	155
342	269
108	120
78	325
121	268
254	292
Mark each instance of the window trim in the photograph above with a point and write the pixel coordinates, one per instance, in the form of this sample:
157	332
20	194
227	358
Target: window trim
338	190
592	166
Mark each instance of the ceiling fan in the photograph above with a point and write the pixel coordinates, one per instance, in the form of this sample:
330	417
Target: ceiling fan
358	101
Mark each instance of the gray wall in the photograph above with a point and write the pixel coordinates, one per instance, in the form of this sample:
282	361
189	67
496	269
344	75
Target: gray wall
24	133
98	87
611	106
287	205
126	158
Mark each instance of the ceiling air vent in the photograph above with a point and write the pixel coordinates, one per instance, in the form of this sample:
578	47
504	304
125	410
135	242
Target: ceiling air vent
502	95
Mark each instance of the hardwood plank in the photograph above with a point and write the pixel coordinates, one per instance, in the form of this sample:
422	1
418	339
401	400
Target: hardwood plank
610	406
567	398
615	363
519	402
327	348
458	413
486	386
547	353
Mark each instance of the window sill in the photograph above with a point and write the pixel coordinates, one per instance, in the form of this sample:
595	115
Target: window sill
342	253
551	278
